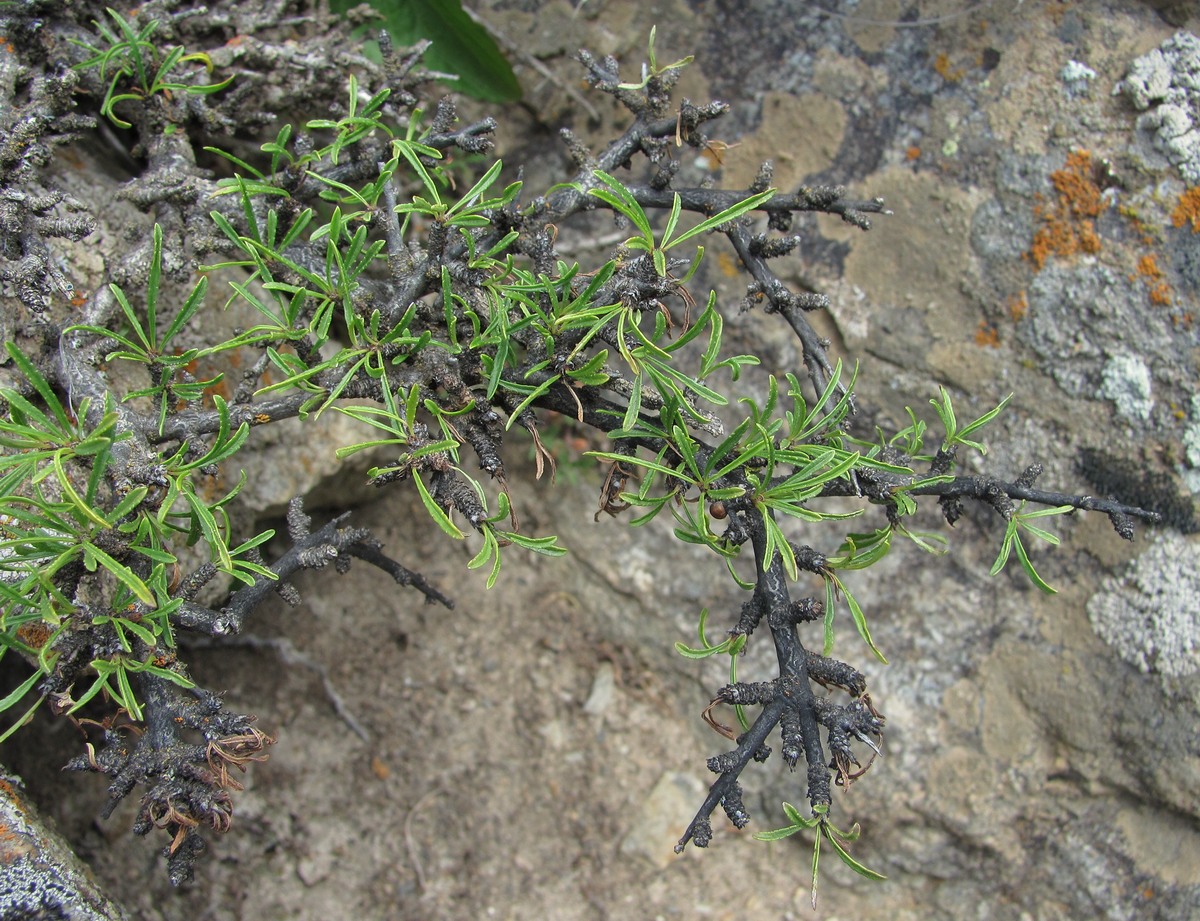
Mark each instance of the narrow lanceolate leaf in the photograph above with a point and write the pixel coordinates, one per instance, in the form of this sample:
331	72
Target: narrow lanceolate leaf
19	692
860	622
776	834
39	384
1030	571
723	217
152	284
93	555
850	861
64	482
435	511
207	524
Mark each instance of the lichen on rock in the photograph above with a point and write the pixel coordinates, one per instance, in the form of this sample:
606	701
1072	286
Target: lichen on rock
1150	615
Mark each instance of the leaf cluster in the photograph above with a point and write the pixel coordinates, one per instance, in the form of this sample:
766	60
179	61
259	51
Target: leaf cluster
134	68
398	278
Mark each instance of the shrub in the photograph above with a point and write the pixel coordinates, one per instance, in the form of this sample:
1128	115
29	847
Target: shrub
400	280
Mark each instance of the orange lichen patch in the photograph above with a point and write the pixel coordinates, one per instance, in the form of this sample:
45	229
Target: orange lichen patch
1068	225
1057	237
34	633
1188	209
941	64
1018	306
913	153
379	769
1077	187
13	795
6	45
13	845
235	41
727	265
1161	295
1147	268
220	388
987	336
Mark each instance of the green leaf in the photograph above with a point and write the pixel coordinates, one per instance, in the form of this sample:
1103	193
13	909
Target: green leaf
860	622
194	301
11	700
723	217
471	199
777	834
489	551
637	461
776	540
1045	512
145	635
945	413
830	613
152	284
132	500
547	546
848	860
635	404
620	199
237	161
64	481
1010	535
816	862
435	511
24	718
1030	571
460	46
796	818
39	384
206	523
93	555
980	423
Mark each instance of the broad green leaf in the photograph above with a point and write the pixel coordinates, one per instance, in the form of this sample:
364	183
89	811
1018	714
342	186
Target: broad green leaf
460	46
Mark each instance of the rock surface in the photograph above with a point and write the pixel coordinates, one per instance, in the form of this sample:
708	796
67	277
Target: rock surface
1041	760
40	876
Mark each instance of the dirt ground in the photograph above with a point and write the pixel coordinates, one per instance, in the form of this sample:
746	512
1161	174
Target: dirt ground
520	762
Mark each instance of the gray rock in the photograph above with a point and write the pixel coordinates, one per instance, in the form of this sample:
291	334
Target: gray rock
1165	85
1151	616
1126	381
40	876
